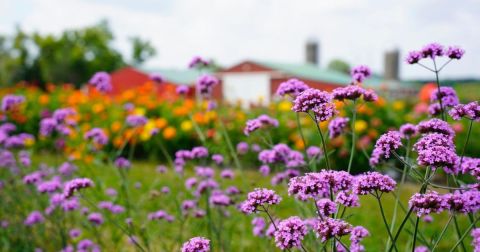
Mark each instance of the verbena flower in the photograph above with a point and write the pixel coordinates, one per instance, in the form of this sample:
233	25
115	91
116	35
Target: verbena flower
408	130
136	120
476	239
122	163
455	52
217	158
319	184
263	121
291	87
421	249
281	153
470	165
432	51
347	199
313	152
385	144
371	182
357	235
259	226
101	81
259	197
33	218
242	148
97	135
75	185
196	244
199	152
360	73
161	215
448	95
470	111
329	228
439	157
413	57
290	233
156	77
182	90
435	125
430	202
10	102
428	141
205	84
326	207
323	112
309	99
349	92
463	202
95	218
197	61
220	199
337	126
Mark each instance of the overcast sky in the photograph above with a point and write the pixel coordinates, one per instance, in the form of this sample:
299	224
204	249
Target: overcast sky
229	31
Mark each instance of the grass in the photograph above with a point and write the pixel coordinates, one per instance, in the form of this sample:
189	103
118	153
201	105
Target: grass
235	231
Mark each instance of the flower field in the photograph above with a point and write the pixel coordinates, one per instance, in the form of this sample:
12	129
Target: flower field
346	170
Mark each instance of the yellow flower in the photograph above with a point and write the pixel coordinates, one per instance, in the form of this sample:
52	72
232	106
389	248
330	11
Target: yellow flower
169	133
285	106
161	123
398	105
139	111
29	142
186	126
97	108
360	126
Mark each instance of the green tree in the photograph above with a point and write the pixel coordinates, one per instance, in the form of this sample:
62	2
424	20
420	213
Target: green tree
142	50
339	65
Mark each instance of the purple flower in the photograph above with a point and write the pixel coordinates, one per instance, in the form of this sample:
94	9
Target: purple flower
439	157
369	95
413	57
33	178
160	215
191	182
281	153
470	165
291	87
371	182
74	233
75	185
434	109
259	226
182	90
188	204
356	236
264	170
387	143
432	50
101	81
47	126
227	174
476	239
136	120
232	190
435	125
197	62
347	199
466	202
421	249
217	158
33	218
49	186
259	197
161	169
205	172
122	163
87	245
309	99
66	169
455	52
470	110
448	95
313	152
220	199
97	135
408	130
196	244
329	228
156	77
337	126
360	73
430	202
95	218
205	84
263	121
290	233
242	148
428	141
199	152
206	185
326	207
320	184
323	112
10	102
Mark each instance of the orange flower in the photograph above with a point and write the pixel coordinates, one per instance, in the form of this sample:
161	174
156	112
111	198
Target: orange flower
160	123
169	133
43	99
116	126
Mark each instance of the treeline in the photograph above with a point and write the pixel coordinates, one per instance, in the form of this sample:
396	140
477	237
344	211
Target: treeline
71	57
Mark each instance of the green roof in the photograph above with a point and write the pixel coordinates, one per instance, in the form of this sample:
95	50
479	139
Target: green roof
179	76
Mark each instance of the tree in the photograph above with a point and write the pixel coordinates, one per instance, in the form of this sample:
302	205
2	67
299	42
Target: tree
142	50
339	65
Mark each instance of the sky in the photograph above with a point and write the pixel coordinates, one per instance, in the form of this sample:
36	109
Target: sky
229	31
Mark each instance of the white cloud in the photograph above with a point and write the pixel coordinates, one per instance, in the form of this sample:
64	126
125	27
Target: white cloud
229	31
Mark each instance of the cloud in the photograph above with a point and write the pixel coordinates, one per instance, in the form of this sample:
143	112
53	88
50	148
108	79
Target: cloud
359	31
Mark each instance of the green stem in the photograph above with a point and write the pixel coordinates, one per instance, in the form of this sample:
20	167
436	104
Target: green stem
439	91
300	131
197	130
415	233
352	128
407	217
464	235
230	146
442	233
466	142
324	145
384	218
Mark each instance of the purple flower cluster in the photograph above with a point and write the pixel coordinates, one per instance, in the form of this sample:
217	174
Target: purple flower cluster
470	111
156	77
310	99
435	125
290	233
101	81
387	143
313	152
281	153
74	185
196	244
95	218
337	126
408	130
329	228
197	62
470	165
326	207
61	121
205	84
371	182
182	90
263	121
447	94
33	218
160	215
122	163
136	120
439	157
476	239
360	73
291	87
319	184
97	135
430	202
357	234
259	197
433	51
9	102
